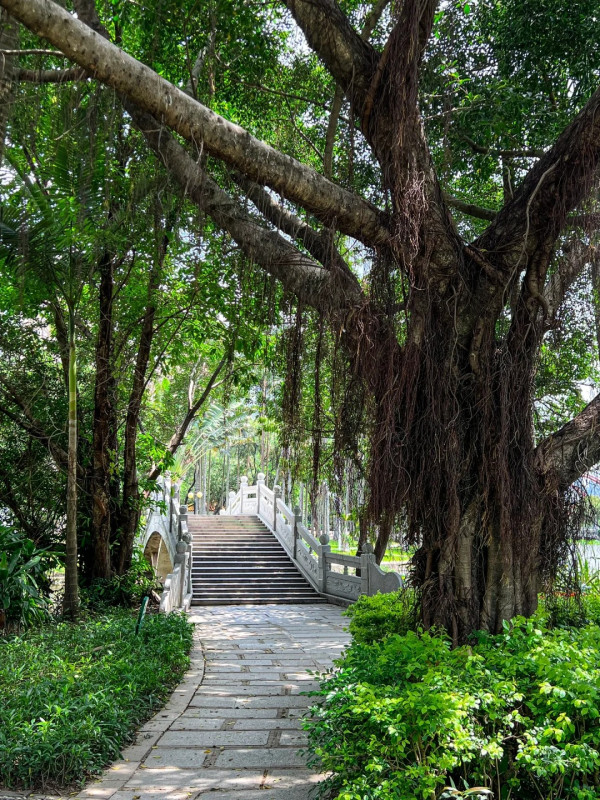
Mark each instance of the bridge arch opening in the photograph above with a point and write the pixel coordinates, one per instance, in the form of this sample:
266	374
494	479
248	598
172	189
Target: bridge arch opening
157	554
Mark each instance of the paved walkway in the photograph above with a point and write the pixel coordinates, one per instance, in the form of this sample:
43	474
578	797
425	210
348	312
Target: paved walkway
231	730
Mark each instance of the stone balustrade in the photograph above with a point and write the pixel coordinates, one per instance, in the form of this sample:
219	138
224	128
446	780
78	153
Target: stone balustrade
338	576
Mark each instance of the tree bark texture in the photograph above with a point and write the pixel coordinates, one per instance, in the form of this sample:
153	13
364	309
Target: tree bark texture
130	511
71	598
9	41
104	431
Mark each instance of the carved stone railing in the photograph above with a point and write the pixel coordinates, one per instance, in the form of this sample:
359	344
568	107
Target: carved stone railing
168	517
332	574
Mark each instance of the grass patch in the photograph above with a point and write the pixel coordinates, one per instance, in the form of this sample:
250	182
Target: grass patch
391	554
74	693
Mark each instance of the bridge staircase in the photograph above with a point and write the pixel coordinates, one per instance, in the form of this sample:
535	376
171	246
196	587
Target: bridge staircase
238	560
257	551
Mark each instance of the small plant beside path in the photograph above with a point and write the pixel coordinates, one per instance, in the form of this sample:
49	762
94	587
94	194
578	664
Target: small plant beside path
74	693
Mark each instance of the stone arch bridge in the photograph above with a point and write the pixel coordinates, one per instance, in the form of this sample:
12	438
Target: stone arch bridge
257	551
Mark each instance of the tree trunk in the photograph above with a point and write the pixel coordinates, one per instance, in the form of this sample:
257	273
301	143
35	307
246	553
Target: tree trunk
130	511
104	431
71	598
9	40
453	448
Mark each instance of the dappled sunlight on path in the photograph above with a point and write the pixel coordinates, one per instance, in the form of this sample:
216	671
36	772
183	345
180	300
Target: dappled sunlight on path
231	729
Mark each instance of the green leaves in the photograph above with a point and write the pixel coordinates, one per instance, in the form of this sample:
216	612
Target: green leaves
515	714
73	694
22	568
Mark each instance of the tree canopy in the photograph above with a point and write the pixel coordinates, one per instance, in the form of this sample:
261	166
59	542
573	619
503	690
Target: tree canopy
408	191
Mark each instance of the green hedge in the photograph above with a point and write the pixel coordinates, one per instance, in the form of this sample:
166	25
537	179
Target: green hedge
374	618
74	693
518	714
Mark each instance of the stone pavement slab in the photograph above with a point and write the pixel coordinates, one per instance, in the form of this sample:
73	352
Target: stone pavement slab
232	728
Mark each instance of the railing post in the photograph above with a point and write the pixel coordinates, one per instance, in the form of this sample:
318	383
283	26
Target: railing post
297	520
276	496
323	551
180	558
243	485
367	557
231	499
260	482
183	514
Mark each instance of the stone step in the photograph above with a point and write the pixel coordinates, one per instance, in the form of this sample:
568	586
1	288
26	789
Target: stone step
246	544
198	525
259	558
242	591
266	582
199	537
223	558
242	569
228	567
225	538
246	550
199	522
258	601
238	560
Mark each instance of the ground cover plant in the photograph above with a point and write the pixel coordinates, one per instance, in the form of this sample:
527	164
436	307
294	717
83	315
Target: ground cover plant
126	590
73	694
23	569
408	717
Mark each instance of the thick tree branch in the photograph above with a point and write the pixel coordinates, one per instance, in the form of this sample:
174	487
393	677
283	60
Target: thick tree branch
523	235
347	56
51	75
570	452
299	273
267	249
558	182
369	25
470	209
198	124
576	256
588	222
318	243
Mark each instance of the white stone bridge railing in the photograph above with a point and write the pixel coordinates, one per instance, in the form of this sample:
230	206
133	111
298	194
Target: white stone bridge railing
167	541
332	574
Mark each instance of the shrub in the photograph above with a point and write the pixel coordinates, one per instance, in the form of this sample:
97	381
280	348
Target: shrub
22	569
373	618
73	693
125	590
517	714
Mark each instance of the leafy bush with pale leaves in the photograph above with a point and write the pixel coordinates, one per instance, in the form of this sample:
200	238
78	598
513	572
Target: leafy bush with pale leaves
517	714
373	618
